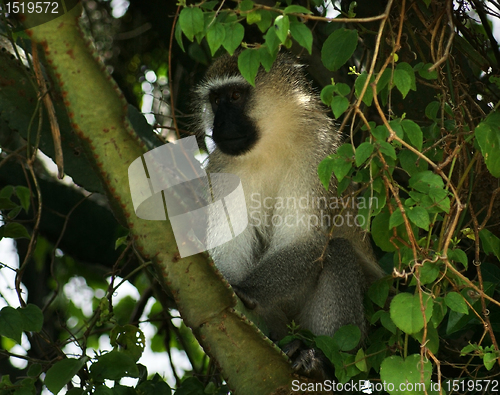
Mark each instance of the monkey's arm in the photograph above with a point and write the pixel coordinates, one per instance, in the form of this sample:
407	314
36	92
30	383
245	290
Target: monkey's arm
282	271
293	284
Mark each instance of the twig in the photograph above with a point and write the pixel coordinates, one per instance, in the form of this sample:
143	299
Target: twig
450	39
170	84
485	319
47	101
490	208
32	243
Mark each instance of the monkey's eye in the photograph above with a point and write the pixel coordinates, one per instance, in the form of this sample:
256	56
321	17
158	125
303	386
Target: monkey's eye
214	101
235	96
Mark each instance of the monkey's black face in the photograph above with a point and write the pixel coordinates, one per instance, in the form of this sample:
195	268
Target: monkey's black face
234	132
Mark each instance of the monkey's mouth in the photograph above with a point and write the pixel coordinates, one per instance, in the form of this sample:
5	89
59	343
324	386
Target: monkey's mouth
235	145
230	139
233	139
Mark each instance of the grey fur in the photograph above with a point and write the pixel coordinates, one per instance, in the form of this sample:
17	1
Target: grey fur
277	270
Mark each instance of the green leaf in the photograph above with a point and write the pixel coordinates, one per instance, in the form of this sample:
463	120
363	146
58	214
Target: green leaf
489	360
35	370
266	59
458	255
404	78
14	230
248	64
468	349
410	162
282	25
363	152
178	36
296	9
208	5
358	87
254	17
339	104
396	126
343	89
396	219
246	5
266	19
32	318
413	132
14	213
438	311
432	338
361	360
328	346
387	323
381	233
406	312
121	241
340	163
302	34
380	133
325	171
215	37
191	21
338	48
488	137
431	110
347	337
234	37
130	339
491	243
114	365
7	192
384	80
7	204
419	216
272	42
456	302
154	386
62	372
346	368
428	273
327	94
401	372
425	180
190	386
423	71
141	126
387	149
103	390
341	168
409	70
11	323
24	196
379	291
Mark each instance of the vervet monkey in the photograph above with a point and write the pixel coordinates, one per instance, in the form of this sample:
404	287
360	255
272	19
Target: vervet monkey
303	257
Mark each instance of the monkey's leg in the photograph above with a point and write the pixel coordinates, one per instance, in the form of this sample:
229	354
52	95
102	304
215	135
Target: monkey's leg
280	284
338	298
291	283
337	301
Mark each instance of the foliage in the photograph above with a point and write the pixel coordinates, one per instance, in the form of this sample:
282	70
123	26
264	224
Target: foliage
415	87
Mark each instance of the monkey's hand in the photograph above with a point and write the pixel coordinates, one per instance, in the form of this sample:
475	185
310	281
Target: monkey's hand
310	362
248	301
